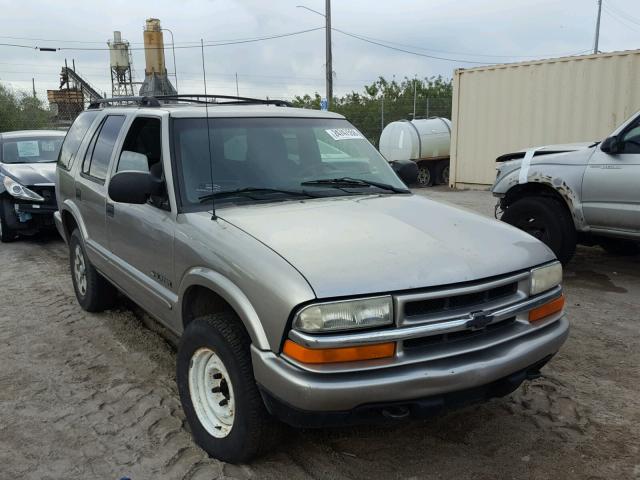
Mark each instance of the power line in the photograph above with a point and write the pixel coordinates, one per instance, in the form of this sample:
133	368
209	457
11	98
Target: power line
622	20
210	44
468	54
353	35
622	13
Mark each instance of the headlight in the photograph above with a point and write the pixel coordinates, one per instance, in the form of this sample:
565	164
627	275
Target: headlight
20	191
346	315
545	278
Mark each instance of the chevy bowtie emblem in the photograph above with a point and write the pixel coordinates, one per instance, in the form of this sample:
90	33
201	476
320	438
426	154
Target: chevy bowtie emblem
479	320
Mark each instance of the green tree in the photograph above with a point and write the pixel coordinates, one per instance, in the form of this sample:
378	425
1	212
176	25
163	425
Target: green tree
19	111
365	109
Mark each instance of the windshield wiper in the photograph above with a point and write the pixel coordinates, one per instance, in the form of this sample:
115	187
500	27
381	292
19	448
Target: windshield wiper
245	190
354	182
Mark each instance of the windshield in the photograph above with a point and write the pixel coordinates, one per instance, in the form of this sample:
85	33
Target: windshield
262	155
31	150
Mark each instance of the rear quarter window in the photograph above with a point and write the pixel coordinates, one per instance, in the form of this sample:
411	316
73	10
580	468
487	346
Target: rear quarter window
74	138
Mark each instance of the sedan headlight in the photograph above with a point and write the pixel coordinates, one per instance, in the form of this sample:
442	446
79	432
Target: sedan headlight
545	278
20	191
345	315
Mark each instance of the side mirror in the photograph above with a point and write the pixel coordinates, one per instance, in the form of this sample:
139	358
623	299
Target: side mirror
407	170
134	187
610	145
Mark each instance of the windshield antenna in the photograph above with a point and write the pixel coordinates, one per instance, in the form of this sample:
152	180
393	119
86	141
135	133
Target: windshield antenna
206	109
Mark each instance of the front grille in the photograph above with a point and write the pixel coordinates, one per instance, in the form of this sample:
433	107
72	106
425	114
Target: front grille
46	192
457	302
459	336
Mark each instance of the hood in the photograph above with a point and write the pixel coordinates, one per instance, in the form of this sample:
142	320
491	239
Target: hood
546	150
30	173
366	245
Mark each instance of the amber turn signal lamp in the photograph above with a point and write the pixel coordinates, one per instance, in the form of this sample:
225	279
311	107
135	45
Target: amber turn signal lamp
334	355
547	309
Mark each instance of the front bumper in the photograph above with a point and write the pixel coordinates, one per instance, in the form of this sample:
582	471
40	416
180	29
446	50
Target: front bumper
322	393
22	216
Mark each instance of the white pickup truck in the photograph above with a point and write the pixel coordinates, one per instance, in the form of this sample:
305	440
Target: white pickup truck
581	193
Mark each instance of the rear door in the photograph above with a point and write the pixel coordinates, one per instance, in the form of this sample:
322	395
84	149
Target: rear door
141	236
90	190
611	186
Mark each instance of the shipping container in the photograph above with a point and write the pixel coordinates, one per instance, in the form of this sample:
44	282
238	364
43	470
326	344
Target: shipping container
504	108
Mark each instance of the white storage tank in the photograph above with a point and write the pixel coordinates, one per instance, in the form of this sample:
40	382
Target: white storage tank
425	141
416	139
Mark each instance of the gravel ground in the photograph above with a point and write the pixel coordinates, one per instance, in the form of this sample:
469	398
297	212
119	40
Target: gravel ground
93	396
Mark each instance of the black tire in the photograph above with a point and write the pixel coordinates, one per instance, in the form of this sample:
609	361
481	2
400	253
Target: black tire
6	233
621	247
253	431
548	220
98	294
426	174
442	172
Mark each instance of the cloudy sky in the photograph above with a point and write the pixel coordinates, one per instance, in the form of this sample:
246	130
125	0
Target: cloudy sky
470	32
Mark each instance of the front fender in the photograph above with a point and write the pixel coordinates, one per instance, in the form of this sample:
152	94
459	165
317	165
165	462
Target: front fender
219	284
70	207
564	179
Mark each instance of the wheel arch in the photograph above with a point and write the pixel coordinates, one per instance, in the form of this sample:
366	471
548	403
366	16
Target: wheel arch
205	291
71	219
564	195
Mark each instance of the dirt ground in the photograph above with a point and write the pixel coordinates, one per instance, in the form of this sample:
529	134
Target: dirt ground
86	396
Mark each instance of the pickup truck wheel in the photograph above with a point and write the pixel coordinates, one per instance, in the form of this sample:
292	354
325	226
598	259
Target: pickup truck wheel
618	246
546	219
425	174
93	291
218	391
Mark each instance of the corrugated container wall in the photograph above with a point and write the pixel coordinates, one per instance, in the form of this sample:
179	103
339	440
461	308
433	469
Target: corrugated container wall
505	108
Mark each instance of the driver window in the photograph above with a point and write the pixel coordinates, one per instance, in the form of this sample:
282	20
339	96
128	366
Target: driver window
142	152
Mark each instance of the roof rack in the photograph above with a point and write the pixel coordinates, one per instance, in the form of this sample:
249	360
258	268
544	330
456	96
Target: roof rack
155	101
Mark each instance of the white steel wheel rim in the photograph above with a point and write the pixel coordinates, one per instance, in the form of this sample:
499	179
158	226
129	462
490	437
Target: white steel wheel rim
424	175
211	392
80	270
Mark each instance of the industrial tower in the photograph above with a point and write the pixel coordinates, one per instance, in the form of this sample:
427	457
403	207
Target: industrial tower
120	61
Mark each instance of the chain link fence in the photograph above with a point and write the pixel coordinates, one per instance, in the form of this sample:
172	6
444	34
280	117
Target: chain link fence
377	114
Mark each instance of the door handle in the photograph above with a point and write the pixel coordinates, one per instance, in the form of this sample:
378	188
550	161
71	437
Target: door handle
110	210
78	194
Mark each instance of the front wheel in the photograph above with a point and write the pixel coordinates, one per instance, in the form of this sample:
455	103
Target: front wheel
218	391
93	291
546	219
6	233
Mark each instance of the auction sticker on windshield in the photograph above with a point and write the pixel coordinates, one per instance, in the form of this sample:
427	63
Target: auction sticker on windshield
344	133
28	149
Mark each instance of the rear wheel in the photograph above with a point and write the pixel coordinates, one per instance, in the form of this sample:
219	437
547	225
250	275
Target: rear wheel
618	246
546	219
218	391
93	291
442	172
425	174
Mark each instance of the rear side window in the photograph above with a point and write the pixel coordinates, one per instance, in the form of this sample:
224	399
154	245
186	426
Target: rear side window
74	138
96	161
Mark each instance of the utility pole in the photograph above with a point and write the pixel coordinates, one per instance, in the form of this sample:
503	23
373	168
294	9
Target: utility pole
329	62
237	90
415	91
595	43
382	113
33	83
329	59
